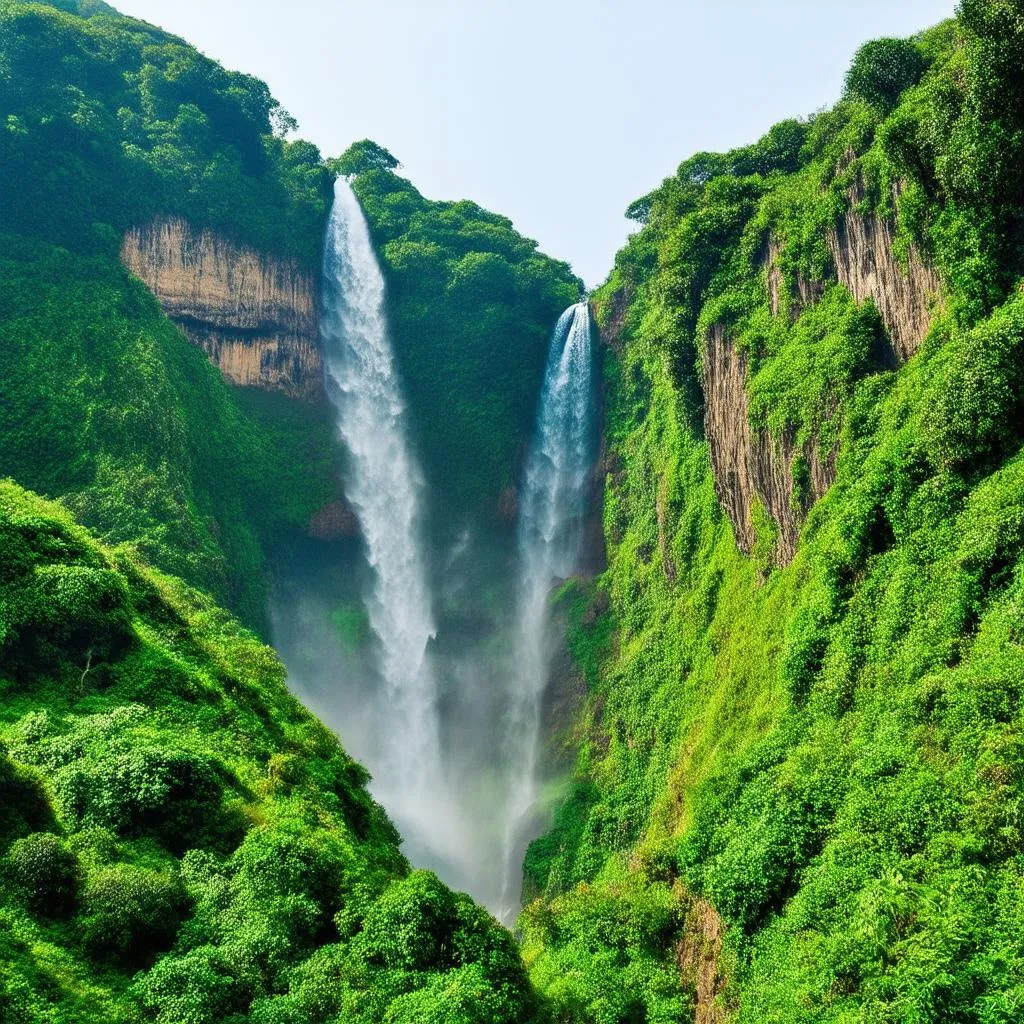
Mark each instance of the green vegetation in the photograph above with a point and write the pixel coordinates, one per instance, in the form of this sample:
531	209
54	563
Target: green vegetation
109	121
824	757
105	404
472	305
831	752
180	842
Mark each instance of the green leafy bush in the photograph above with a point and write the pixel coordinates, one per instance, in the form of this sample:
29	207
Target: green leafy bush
130	913
47	871
883	70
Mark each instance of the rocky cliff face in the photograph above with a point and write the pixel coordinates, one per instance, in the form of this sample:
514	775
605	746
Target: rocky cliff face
807	292
750	465
253	315
863	259
862	252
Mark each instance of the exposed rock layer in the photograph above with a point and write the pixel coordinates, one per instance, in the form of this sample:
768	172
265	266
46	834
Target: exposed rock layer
807	292
751	465
699	958
255	316
865	261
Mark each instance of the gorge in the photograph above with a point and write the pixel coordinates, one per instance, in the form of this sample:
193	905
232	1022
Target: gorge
393	632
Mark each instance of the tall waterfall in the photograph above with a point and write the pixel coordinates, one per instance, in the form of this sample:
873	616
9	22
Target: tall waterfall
552	512
384	485
449	728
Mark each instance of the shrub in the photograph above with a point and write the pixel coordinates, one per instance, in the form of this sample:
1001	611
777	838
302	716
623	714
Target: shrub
411	924
130	913
23	804
978	403
196	988
883	70
173	794
68	612
47	872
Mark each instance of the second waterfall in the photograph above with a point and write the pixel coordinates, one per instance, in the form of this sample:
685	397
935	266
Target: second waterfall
553	507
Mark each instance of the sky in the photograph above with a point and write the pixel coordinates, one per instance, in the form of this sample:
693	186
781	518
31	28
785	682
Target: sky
555	113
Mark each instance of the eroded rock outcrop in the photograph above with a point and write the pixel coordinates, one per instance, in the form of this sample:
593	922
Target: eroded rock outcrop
864	260
862	252
807	292
752	466
699	956
334	521
255	316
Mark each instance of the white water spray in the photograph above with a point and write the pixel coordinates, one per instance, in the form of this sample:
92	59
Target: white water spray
384	485
552	512
450	730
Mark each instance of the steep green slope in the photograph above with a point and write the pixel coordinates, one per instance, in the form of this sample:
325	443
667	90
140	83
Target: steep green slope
180	841
108	122
822	756
472	304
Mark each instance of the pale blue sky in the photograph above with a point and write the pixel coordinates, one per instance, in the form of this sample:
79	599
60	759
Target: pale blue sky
556	113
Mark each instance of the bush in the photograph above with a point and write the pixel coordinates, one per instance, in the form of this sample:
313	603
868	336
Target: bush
174	794
75	613
23	804
47	872
196	988
410	926
978	401
130	913
883	70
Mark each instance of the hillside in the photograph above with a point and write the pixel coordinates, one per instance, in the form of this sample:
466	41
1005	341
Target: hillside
179	840
110	123
125	148
799	774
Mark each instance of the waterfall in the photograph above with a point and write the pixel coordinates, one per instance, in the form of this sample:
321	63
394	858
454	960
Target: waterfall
552	512
384	485
449	729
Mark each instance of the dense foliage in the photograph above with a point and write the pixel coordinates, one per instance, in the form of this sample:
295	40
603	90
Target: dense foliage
107	122
472	305
831	752
180	842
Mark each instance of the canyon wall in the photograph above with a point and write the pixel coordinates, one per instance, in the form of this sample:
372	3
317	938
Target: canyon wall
255	316
750	465
865	261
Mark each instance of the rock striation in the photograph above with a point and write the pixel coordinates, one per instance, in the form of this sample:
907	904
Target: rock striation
865	261
750	465
861	247
255	316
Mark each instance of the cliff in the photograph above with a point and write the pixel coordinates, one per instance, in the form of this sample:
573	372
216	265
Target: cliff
749	465
865	260
254	316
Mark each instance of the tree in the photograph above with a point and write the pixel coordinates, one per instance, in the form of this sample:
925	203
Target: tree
363	156
883	70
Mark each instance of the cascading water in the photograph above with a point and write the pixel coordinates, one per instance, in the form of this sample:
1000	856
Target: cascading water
384	485
450	730
552	512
